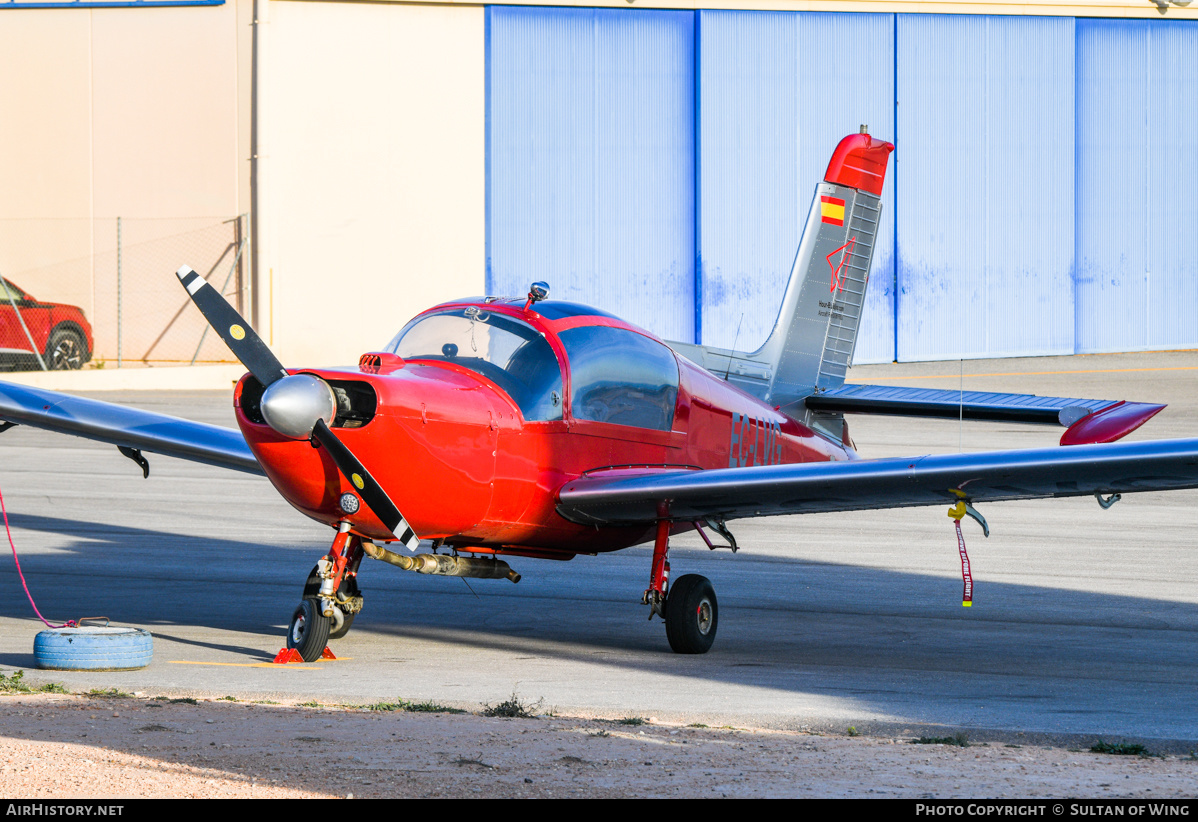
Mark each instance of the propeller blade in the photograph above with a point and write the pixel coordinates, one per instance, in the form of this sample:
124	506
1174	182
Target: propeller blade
242	340
372	493
266	368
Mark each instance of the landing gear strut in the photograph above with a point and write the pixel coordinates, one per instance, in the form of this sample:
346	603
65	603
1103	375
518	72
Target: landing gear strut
331	598
688	607
347	601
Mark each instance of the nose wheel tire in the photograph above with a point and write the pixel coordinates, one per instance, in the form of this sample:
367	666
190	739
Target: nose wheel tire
692	615
309	630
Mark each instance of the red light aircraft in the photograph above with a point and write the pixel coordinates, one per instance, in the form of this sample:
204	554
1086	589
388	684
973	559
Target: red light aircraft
534	428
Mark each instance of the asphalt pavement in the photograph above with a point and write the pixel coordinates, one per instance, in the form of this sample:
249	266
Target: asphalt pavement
1085	621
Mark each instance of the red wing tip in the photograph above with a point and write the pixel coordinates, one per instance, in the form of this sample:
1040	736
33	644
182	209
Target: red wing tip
1110	424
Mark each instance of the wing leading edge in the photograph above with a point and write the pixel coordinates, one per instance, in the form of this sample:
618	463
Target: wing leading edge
1082	470
127	427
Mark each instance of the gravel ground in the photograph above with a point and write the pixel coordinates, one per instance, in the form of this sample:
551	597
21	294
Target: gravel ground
63	746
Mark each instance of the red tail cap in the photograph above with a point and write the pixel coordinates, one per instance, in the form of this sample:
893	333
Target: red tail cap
860	162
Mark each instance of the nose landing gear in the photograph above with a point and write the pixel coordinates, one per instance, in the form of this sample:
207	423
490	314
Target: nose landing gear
331	598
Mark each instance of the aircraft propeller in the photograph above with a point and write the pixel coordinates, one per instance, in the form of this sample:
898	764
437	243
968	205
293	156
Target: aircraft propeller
300	406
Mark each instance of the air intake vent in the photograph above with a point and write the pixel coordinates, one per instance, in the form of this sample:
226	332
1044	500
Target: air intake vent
379	362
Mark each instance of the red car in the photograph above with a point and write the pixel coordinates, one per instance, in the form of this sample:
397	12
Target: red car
61	334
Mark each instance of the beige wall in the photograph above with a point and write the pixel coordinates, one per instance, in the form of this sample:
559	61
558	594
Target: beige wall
372	181
141	114
45	148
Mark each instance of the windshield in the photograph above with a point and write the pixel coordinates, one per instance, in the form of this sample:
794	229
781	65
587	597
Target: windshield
10	290
511	354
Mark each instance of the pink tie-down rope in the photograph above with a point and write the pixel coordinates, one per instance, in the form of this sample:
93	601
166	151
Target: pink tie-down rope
68	624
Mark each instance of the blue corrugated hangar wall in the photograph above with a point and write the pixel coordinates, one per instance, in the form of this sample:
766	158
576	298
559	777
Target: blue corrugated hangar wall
660	164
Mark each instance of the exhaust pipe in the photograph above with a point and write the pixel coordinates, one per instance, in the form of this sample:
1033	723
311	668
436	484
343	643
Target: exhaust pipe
442	565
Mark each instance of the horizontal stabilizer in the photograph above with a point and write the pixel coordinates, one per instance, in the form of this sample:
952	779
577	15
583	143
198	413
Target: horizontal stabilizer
127	427
1088	421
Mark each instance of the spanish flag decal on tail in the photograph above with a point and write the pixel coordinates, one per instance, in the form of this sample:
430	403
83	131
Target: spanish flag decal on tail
831	210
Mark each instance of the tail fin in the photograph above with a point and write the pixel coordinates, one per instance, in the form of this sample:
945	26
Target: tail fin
811	346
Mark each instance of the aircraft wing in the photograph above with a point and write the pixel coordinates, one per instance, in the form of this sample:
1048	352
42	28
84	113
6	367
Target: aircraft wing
727	493
127	427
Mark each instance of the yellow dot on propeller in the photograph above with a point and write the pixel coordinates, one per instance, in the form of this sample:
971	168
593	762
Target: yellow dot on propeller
359	483
237	332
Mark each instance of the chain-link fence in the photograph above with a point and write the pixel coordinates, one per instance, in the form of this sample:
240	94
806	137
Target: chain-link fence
123	285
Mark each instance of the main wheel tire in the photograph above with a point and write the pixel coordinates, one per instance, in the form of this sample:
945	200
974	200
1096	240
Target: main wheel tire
93	649
692	615
309	630
66	351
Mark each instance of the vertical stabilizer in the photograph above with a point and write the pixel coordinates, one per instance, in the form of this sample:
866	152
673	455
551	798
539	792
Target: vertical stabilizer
811	346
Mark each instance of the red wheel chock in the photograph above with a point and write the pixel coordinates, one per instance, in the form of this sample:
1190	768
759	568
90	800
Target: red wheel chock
286	655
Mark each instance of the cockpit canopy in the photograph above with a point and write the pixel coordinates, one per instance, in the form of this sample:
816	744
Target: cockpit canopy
616	375
621	377
509	353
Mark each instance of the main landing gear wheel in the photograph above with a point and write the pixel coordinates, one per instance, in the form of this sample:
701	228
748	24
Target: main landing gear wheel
692	615
309	630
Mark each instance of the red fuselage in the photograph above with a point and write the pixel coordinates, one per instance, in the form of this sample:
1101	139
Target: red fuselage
458	457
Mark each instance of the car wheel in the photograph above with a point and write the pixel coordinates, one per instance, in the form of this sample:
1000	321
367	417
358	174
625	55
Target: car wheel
67	351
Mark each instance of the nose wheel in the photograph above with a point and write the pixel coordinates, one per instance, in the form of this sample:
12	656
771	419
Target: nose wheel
308	632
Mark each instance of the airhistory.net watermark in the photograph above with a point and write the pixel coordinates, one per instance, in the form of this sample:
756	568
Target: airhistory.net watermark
48	809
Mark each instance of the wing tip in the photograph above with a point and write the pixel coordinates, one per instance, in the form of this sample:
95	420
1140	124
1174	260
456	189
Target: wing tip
1109	424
